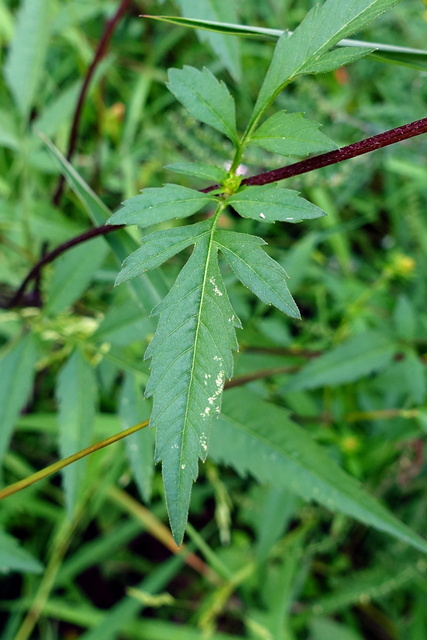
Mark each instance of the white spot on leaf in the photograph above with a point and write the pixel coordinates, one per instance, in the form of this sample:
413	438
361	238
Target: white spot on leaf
215	286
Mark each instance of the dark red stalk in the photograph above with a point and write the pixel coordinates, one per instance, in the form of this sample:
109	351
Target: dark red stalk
345	153
333	157
49	257
99	54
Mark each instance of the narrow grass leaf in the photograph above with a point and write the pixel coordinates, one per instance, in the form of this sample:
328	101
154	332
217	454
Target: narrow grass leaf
290	134
416	59
227	49
27	52
272	203
140	445
160	204
205	97
17	371
14	558
199	170
354	359
394	54
147	290
160	246
256	270
73	272
323	27
262	440
76	397
191	357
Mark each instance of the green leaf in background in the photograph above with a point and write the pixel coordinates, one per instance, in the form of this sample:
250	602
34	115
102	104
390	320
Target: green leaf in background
256	270
159	204
76	394
205	97
354	359
160	246
227	49
323	27
335	59
406	56
123	323
263	441
415	376
405	318
191	357
371	584
58	111
25	60
290	134
269	203
199	170
9	131
73	273
325	629
277	508
147	290
17	371
14	558
140	445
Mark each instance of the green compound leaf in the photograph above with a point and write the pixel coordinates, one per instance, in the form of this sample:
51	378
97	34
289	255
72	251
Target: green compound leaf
160	204
207	99
324	26
335	59
191	357
290	134
256	270
160	246
262	440
199	170
272	203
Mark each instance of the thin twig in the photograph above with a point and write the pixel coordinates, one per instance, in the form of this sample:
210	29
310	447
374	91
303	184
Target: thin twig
57	466
99	54
49	257
333	157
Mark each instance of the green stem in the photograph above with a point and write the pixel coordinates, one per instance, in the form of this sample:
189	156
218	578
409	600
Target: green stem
253	123
57	466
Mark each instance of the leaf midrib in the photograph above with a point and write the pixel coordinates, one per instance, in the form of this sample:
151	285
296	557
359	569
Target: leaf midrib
249	266
195	352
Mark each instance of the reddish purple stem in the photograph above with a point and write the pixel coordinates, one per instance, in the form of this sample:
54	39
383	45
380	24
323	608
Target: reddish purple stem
99	54
333	157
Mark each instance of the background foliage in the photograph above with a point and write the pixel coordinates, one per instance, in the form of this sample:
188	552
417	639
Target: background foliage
260	563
